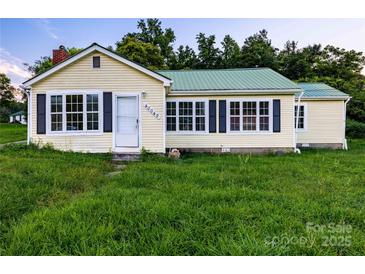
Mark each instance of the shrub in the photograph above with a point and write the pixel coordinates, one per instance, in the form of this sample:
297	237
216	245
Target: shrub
355	129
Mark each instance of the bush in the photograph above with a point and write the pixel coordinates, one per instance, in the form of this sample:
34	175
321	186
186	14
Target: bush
355	129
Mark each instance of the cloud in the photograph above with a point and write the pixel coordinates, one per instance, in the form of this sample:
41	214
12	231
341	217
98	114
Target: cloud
8	68
12	66
46	25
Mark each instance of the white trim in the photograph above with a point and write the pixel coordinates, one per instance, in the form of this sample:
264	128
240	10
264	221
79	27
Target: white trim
234	92
194	131
166	81
74	91
305	129
65	132
296	121
294	132
324	98
29	118
114	124
249	132
344	144
164	118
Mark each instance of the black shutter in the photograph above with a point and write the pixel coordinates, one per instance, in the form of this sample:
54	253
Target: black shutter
41	114
108	111
212	116
222	116
276	115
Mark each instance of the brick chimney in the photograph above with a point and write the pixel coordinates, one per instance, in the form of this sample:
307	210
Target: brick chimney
59	55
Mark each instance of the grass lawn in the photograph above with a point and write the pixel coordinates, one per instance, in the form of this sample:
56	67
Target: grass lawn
54	203
12	133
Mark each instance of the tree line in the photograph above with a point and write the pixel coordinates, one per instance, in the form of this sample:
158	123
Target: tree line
8	104
154	47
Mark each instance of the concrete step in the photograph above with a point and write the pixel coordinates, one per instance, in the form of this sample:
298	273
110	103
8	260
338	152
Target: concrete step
126	156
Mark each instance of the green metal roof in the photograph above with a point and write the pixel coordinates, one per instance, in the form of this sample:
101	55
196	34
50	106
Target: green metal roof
320	90
228	79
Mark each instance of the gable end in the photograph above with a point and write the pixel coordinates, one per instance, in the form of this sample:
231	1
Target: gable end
95	47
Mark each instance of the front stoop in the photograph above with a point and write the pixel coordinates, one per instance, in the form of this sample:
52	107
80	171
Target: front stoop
117	156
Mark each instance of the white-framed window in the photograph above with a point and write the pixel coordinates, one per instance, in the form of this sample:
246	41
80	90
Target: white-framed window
200	116
171	116
302	118
235	117
92	111
186	116
264	109
74	112
56	113
249	115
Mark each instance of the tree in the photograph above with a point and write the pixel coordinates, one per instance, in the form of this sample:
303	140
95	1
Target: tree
152	32
209	55
339	63
334	66
185	58
72	51
7	99
44	63
257	51
231	54
143	53
295	63
6	91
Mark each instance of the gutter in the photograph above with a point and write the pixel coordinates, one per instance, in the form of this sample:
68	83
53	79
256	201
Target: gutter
296	149
231	92
26	90
344	144
325	98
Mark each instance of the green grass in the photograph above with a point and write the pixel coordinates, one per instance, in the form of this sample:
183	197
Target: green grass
12	133
61	203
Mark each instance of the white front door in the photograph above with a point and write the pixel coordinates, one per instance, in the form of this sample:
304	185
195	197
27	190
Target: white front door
127	121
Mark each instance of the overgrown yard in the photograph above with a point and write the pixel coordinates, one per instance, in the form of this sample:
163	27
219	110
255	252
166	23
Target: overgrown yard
62	203
12	133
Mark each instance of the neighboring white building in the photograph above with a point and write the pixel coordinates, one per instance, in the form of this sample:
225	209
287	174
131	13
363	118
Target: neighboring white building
18	117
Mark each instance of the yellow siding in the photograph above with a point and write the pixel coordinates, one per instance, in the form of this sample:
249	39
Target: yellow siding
113	76
81	143
283	139
324	122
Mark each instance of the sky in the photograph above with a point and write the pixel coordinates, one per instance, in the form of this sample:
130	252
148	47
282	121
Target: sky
25	40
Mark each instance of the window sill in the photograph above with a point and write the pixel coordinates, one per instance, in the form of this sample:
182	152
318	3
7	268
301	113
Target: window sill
75	133
300	130
186	133
250	133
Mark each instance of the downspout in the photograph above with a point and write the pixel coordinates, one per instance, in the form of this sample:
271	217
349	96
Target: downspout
344	143
26	90
296	149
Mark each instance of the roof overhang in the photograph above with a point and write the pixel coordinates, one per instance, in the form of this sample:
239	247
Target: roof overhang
95	47
232	92
325	98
